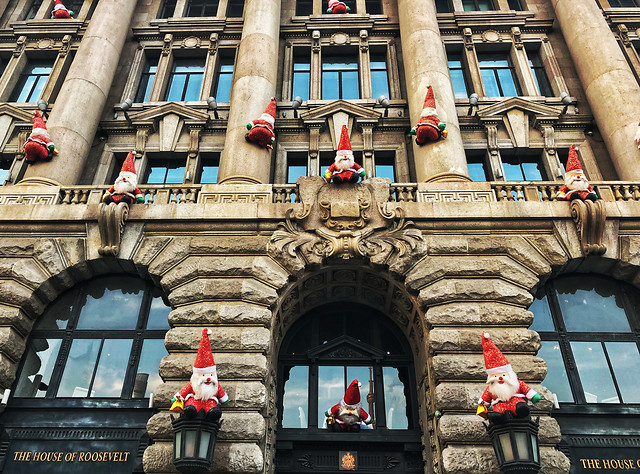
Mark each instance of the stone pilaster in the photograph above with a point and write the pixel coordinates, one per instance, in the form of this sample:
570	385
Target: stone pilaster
609	84
444	160
254	83
74	119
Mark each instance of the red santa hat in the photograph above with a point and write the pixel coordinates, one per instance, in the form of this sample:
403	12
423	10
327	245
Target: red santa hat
429	106
39	127
269	114
129	166
344	145
573	163
352	395
59	6
204	363
494	361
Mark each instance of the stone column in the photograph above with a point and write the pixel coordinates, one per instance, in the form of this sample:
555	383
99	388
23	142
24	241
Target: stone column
75	117
611	89
444	160
254	83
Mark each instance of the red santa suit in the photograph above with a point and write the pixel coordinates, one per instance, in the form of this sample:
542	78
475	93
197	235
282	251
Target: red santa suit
261	129
60	11
188	394
344	169
349	413
338	7
429	128
125	189
575	184
39	146
523	394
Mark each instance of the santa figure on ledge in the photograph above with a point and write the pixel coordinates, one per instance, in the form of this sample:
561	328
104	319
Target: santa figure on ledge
575	184
203	391
60	11
348	414
505	393
39	146
337	7
344	169
125	188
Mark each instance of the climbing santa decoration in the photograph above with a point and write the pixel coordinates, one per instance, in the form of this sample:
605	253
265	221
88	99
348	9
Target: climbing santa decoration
60	11
505	395
261	129
39	146
344	169
203	392
125	188
348	414
337	7
429	128
575	184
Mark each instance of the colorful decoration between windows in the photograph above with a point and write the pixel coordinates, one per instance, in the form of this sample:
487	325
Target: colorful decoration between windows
39	146
575	184
60	11
338	7
429	128
348	415
203	392
344	169
505	395
261	129
125	188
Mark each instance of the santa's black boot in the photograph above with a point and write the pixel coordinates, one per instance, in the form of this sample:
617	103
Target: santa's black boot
354	178
355	428
190	411
127	199
108	200
496	417
522	410
214	414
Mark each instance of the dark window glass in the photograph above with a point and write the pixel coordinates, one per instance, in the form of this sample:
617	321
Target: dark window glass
3	65
301	75
515	5
556	380
304	7
296	166
75	6
33	10
166	171
168	8
623	3
340	78
185	80
202	8
457	76
385	165
540	75
92	356
5	167
210	163
443	6
476	165
373	7
519	166
235	8
225	76
146	80
379	76
477	5
32	80
498	75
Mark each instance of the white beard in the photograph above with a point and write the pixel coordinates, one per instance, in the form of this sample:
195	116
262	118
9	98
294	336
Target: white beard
201	390
349	414
343	163
505	391
575	184
123	187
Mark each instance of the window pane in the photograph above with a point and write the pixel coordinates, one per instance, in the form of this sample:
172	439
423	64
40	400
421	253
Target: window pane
33	10
38	367
476	171
157	175
485	5
490	83
385	171
193	87
395	402
457	79
542	320
512	169
442	6
350	88
146	82
304	7
373	7
507	83
362	374
379	84
585	300
594	373
175	174
158	314
176	87
331	388
153	351
625	361
223	89
532	170
515	5
556	380
107	308
57	316
209	175
295	399
111	368
330	86
469	5
294	172
234	8
79	368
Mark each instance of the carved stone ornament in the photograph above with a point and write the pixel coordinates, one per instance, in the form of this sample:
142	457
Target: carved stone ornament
111	220
346	221
590	218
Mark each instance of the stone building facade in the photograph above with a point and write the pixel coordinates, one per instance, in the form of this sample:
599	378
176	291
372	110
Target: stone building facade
439	243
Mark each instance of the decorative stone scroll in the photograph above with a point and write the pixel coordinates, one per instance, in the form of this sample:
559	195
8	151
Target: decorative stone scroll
111	220
590	217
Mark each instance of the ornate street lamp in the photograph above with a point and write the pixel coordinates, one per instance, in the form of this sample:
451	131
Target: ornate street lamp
515	443
194	440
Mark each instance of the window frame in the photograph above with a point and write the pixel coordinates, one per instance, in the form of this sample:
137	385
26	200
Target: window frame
23	77
510	67
203	4
349	59
173	73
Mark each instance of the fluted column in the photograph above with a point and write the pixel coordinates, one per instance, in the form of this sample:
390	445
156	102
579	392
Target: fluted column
426	64
611	89
254	83
75	117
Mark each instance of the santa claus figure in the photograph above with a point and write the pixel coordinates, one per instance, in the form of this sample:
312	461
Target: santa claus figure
203	391
348	414
344	169
60	11
575	184
337	7
261	129
505	393
125	188
429	128
39	146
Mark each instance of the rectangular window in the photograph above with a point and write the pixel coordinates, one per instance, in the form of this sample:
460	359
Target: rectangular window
477	5
32	80
296	166
373	7
168	8
379	75
33	10
456	72
515	5
340	78
3	65
304	7
519	166
301	74
623	3
442	6
209	163
201	8
166	171
295	401
498	75
185	80
225	75
5	167
146	80
385	164
539	74
75	6
476	165
235	8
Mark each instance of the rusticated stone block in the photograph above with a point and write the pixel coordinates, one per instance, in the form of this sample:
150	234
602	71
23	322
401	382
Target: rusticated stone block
245	395
25	270
469	459
7	371
11	343
517	247
553	462
471	367
549	246
16	294
230	244
158	458
176	251
224	289
240	458
165	392
224	338
12	247
48	254
10	316
463	340
237	426
478	314
444	291
209	312
242	366
464	397
149	249
159	426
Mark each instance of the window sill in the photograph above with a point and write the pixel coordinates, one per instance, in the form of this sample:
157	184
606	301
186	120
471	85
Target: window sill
78	403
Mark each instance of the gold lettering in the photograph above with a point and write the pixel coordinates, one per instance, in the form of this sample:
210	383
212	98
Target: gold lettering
126	455
597	462
606	464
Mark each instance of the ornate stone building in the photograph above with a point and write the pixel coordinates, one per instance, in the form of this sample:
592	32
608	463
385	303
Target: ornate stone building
308	285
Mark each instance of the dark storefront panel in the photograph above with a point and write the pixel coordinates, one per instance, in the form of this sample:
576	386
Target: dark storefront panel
604	460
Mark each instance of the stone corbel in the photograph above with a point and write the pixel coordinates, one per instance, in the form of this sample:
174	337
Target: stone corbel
66	45
20	45
22	139
516	35
166	44
194	142
364	41
213	44
367	148
111	220
623	33
315	46
142	135
589	218
468	38
314	137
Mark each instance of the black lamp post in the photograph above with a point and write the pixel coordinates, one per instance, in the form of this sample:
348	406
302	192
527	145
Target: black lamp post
194	440
516	445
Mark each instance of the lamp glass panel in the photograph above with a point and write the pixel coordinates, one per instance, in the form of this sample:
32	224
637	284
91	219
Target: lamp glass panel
522	445
205	437
190	443
507	449
177	444
534	446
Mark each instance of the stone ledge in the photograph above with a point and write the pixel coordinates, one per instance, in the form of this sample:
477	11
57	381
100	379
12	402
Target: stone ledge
474	289
480	314
482	459
237	426
240	289
464	340
463	397
210	312
230	366
471	367
243	395
223	338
